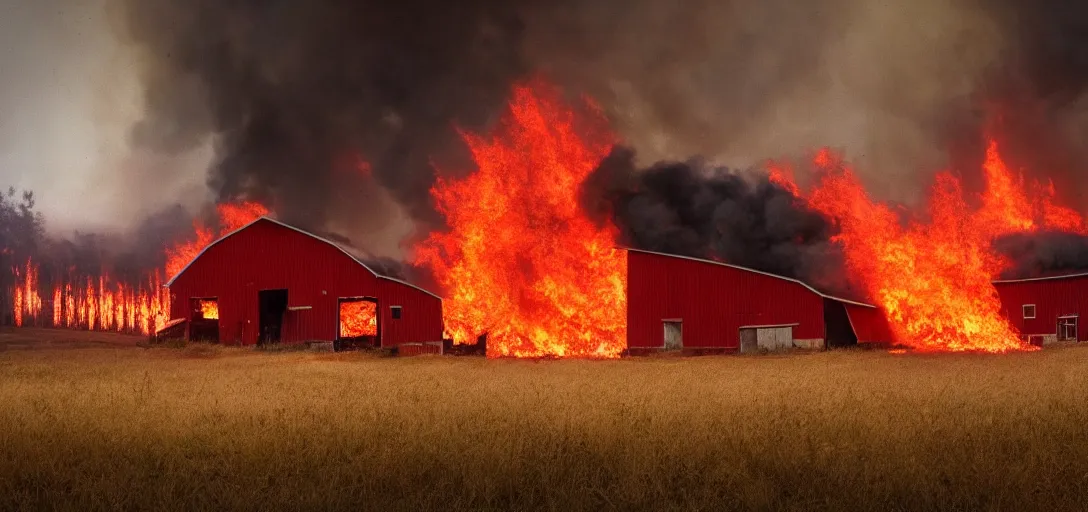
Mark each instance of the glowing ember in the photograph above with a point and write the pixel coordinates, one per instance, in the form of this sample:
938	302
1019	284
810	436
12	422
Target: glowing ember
209	309
358	318
522	263
933	278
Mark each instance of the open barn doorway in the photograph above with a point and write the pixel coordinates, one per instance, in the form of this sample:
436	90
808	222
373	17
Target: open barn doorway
838	332
357	325
273	305
204	319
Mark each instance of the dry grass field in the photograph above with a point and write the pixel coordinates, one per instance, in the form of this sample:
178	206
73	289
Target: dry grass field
93	422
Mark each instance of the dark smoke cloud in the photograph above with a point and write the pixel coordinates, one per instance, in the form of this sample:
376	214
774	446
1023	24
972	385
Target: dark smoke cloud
1042	254
295	91
291	88
699	210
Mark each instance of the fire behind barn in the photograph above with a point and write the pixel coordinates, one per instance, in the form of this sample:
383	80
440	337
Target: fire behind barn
269	282
694	305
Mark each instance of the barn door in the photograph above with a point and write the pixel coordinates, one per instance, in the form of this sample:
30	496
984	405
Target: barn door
358	323
273	305
748	341
674	335
767	339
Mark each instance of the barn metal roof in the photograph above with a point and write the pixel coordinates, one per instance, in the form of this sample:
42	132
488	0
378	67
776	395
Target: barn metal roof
350	252
1043	278
746	269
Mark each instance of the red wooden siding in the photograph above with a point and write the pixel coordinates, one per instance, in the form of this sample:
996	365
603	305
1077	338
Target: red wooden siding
1052	297
870	325
713	301
267	255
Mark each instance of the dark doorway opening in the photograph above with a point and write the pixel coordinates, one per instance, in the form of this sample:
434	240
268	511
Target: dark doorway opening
357	323
838	333
273	305
204	319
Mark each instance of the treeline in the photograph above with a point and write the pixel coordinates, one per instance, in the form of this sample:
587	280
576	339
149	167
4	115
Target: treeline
22	237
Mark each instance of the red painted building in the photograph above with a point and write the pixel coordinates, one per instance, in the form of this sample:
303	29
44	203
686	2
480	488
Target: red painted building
677	302
271	282
1046	309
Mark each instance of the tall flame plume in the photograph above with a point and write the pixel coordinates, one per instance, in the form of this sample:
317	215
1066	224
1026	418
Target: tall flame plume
933	276
522	263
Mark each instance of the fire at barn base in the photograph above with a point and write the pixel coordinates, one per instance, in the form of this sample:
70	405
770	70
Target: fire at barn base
702	306
269	282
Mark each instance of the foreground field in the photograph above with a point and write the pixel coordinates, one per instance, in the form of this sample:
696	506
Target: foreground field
108	425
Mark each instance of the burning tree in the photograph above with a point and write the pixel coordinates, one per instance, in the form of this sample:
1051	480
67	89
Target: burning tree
85	289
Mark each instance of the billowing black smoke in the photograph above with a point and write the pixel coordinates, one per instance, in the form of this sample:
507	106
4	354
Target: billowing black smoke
296	93
695	209
1042	254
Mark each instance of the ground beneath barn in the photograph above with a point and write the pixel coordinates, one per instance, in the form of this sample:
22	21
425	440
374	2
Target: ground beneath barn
113	426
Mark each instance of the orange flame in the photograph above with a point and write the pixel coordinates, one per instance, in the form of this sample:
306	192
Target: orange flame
781	174
231	217
522	263
358	318
26	302
933	279
209	309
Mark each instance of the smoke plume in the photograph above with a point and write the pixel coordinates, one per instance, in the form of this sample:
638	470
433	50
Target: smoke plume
297	94
1042	254
696	209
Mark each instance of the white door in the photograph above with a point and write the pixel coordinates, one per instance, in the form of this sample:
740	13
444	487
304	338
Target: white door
674	335
774	338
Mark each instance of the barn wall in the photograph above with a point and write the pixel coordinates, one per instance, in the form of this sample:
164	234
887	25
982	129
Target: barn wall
1052	298
268	256
421	314
713	301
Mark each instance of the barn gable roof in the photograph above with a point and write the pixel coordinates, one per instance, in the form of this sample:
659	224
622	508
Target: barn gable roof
1042	278
746	269
348	251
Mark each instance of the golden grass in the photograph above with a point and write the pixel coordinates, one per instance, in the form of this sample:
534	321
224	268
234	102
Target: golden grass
217	428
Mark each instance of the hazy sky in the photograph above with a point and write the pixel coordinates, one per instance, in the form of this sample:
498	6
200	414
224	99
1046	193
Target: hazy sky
68	95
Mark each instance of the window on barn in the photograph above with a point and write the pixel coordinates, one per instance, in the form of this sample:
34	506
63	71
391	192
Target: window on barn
395	310
1067	328
1029	311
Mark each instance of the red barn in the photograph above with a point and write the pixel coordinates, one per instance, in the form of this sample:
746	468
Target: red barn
1046	309
271	282
677	302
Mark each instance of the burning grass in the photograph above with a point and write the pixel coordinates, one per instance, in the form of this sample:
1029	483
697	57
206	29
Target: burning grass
160	428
